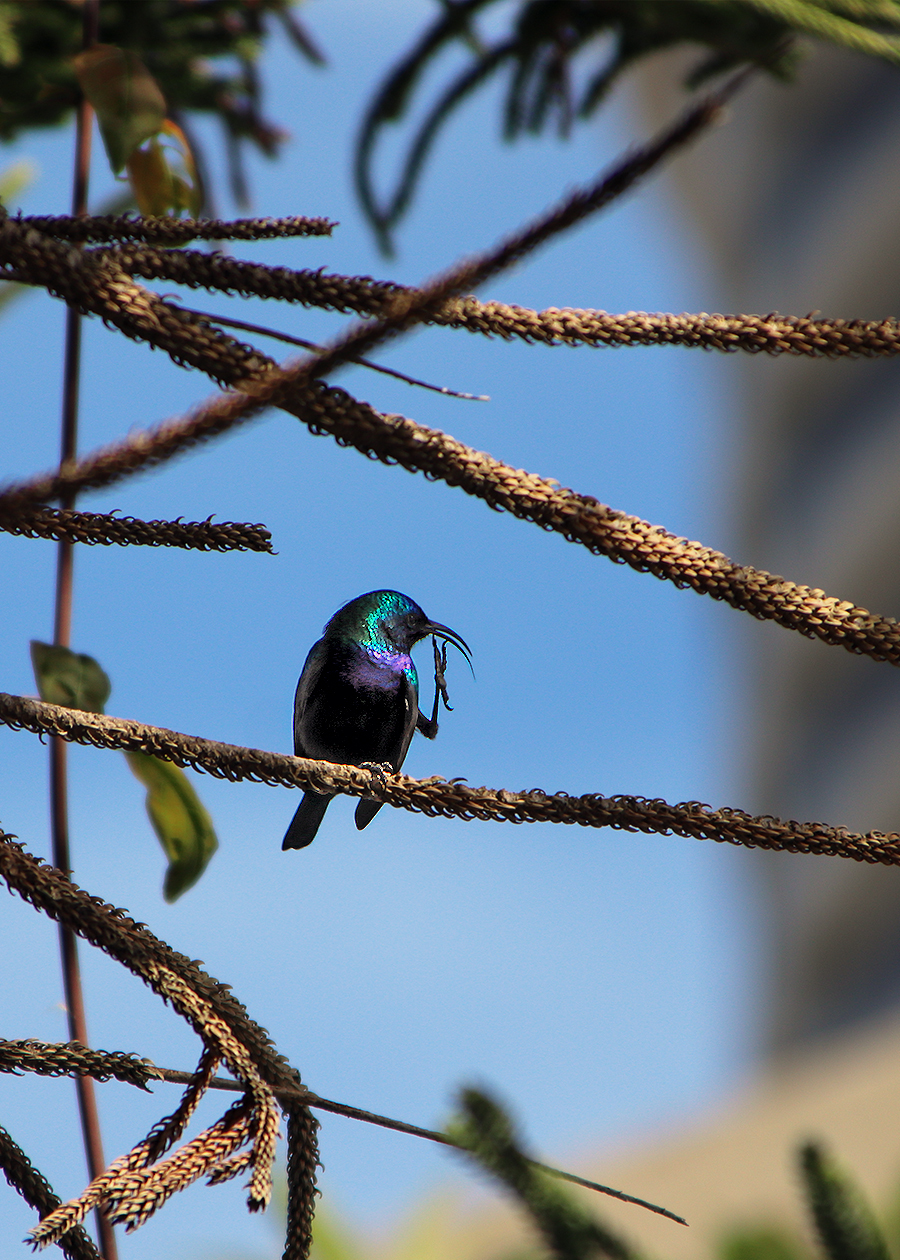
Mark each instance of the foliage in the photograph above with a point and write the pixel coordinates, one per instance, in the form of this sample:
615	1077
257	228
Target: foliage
126	98
563	56
203	55
486	1132
182	824
760	1242
844	1222
845	1225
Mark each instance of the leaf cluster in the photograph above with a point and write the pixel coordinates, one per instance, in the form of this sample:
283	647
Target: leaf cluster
844	1224
203	56
181	822
486	1132
562	57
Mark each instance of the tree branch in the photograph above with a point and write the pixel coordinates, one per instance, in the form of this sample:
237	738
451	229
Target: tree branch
438	798
37	1192
167	230
50	1059
94	528
136	1185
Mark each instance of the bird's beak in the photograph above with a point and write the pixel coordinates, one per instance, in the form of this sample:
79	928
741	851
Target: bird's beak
443	632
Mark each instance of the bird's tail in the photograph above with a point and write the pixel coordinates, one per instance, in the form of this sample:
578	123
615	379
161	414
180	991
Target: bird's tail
305	822
366	811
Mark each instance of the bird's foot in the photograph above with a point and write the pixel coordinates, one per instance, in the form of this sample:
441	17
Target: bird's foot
378	769
440	682
429	726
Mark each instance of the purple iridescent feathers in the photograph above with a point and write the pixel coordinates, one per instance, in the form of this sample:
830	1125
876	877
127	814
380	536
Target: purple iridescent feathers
357	700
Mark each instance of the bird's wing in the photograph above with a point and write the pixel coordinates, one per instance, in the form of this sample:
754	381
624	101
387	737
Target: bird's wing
411	702
309	678
367	809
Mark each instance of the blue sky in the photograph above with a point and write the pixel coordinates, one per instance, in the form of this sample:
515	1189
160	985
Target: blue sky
604	984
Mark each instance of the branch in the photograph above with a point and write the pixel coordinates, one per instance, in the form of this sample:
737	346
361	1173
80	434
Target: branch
409	307
92	282
169	231
135	1185
579	518
771	334
103	288
95	528
72	1059
438	798
39	1194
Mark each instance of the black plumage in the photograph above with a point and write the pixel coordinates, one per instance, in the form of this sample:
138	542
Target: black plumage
357	701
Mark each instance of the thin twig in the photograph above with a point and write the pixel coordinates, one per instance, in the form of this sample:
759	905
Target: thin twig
54	1059
402	1126
312	345
75	1013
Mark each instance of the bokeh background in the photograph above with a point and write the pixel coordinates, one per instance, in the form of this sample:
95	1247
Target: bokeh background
607	986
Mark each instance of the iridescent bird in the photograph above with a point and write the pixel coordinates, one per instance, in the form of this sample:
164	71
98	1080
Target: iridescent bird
357	700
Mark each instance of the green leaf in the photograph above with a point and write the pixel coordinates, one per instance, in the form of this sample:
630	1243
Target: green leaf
181	822
16	178
486	1133
10	52
163	176
332	1239
184	827
843	1219
67	678
130	107
760	1242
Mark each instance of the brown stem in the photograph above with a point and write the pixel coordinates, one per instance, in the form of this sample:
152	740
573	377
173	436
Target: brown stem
401	1126
62	630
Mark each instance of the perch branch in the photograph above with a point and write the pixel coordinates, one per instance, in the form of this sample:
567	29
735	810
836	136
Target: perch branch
755	334
437	797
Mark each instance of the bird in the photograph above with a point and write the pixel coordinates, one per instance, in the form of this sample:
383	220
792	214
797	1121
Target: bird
357	701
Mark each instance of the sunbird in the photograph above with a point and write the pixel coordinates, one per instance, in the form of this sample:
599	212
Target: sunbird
357	701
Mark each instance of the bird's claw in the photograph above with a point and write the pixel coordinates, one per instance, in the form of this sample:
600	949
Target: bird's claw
379	770
440	664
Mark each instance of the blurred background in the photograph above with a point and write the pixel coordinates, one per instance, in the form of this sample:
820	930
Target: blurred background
669	1015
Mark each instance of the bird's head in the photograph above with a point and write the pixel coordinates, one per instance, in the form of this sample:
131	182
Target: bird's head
387	621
